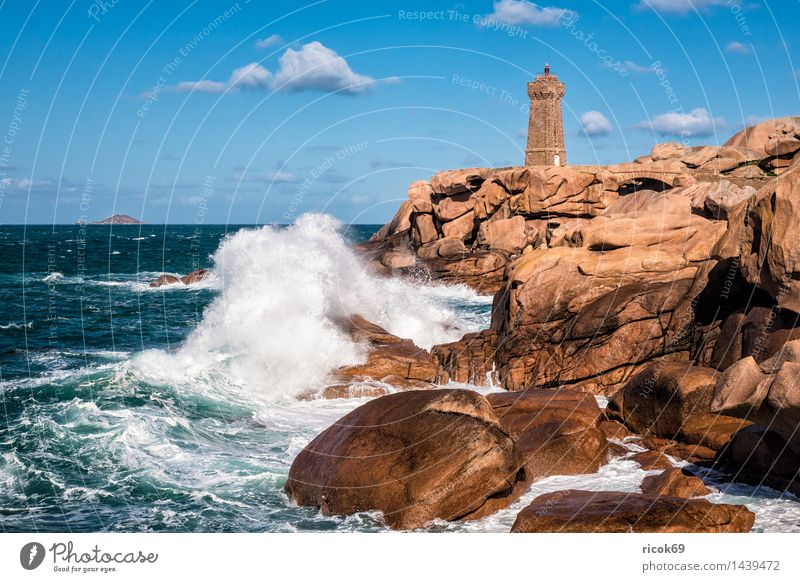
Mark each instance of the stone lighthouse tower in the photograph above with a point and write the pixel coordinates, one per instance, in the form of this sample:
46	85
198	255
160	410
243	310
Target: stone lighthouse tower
546	128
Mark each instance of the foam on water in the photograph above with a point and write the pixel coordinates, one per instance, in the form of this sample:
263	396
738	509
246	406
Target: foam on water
274	327
13	325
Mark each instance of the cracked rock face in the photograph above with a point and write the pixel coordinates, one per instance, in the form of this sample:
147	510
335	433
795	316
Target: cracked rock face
415	456
616	293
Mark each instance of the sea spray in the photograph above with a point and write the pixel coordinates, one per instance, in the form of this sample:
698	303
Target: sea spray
273	328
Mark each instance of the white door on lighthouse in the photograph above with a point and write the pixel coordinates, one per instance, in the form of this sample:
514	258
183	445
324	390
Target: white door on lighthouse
556	160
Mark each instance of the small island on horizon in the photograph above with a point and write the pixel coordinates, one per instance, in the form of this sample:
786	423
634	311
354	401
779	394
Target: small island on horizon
118	219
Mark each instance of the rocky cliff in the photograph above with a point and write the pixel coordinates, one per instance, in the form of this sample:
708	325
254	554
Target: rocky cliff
668	284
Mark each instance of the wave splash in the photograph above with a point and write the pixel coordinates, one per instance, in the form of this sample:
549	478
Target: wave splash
273	328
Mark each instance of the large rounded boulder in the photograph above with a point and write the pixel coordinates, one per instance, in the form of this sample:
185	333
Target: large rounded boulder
415	456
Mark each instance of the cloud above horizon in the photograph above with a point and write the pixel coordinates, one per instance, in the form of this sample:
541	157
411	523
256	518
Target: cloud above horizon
594	124
637	68
737	47
678	6
524	12
315	67
312	67
697	123
277	177
271	40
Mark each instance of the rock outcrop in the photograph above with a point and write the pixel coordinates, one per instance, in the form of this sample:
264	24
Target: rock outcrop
189	279
622	253
574	511
556	431
674	482
165	279
770	137
668	284
447	454
392	363
672	401
415	456
769	395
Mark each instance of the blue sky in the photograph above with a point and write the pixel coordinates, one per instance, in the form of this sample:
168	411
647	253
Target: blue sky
252	112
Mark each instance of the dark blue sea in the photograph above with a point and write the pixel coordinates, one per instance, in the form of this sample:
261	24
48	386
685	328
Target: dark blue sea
180	408
130	408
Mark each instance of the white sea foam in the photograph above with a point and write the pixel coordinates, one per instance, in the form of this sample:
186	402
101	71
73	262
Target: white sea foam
274	326
53	277
13	325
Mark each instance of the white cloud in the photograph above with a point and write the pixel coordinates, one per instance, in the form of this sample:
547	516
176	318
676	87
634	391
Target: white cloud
270	178
679	6
313	67
595	124
636	68
252	76
202	86
387	163
524	12
272	39
696	123
44	186
737	47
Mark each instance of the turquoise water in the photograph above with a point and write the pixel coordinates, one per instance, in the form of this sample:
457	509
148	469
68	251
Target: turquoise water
126	408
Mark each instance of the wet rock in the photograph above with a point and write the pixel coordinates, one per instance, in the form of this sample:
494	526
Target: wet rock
675	482
697	454
165	280
614	430
577	511
649	460
712	431
469	360
391	360
762	456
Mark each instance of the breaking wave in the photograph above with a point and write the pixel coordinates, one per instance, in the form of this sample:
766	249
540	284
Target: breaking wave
273	328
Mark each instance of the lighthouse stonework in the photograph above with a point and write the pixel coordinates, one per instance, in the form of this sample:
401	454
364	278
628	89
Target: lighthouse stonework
545	127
